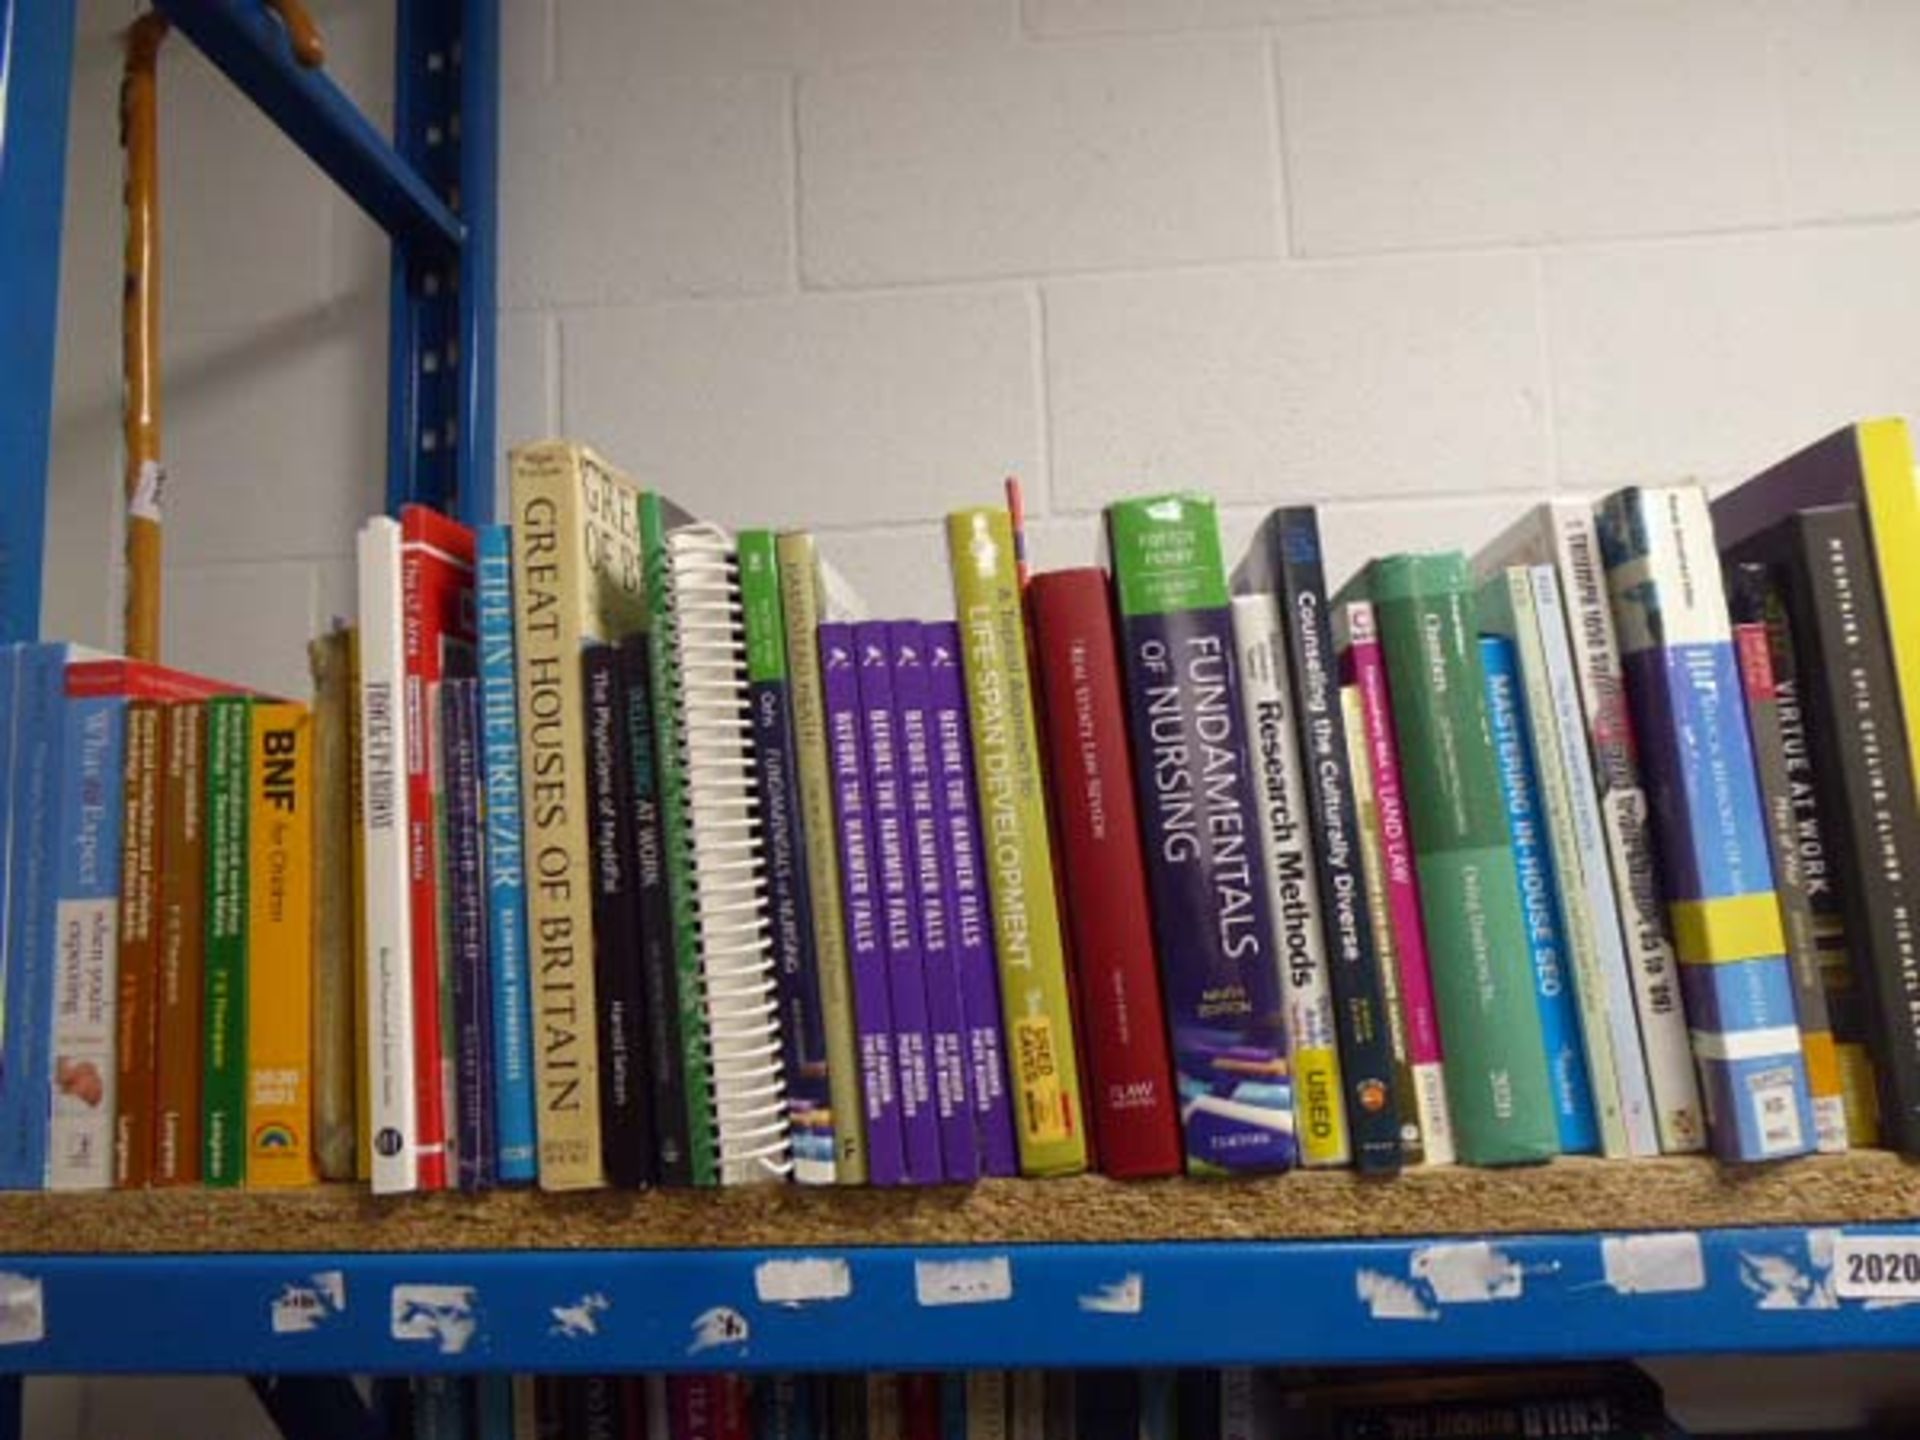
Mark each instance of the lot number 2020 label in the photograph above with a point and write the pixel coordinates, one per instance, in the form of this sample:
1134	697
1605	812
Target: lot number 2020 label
1876	1267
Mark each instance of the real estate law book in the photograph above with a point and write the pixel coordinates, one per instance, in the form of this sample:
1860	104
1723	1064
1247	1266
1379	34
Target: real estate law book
180	988
139	939
228	879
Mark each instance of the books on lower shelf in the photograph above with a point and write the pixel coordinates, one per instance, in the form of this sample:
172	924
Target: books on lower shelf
620	849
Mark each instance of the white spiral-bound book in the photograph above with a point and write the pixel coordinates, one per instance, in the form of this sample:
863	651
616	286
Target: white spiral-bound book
707	635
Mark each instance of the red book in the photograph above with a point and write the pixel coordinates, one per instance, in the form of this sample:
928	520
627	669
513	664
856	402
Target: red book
1136	1119
920	1406
436	576
709	1407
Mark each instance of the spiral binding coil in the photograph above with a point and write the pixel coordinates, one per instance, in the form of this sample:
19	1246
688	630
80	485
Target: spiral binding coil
737	973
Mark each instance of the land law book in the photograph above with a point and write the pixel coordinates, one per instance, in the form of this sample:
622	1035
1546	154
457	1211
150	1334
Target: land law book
1754	593
335	877
1561	533
224	1087
279	991
1677	647
1134	1109
1497	1083
180	995
578	578
139	963
1049	1118
1840	635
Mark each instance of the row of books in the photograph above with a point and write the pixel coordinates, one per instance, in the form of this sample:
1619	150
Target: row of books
1590	1402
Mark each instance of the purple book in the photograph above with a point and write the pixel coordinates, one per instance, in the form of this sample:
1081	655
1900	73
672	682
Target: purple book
860	894
899	915
946	1024
965	878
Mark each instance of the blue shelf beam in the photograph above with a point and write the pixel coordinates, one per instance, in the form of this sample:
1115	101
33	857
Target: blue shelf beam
1527	1298
36	71
251	46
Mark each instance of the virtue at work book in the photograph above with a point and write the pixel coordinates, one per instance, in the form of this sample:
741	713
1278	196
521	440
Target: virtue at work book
1683	683
1219	959
1134	1108
1043	1063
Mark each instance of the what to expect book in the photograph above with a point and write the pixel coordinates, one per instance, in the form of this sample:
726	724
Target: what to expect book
1219	960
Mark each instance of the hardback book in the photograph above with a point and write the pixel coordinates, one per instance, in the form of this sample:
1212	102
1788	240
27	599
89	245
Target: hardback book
1870	464
728	994
860	905
1683	682
1511	723
790	901
279	955
578	577
1027	1405
1406	969
1133	1106
665	1058
899	917
964	873
1284	561
180	995
784	1408
386	887
920	1407
436	580
708	1407
336	1013
357	817
139	940
506	875
223	1087
1292	875
1498	1087
1219	956
1843	647
986	1392
626	1140
1561	533
1756	595
476	1124
1042	1059
933	903
807	598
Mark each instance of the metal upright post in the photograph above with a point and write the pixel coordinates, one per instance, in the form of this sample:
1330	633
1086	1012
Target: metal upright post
479	134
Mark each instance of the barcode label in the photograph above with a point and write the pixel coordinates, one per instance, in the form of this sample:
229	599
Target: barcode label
1774	1101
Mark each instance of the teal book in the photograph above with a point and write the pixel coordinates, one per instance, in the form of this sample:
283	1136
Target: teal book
1498	1084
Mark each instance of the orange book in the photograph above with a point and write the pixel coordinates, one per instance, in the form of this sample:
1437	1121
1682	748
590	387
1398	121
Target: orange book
139	979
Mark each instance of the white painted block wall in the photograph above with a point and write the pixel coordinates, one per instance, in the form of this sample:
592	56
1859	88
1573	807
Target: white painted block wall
849	262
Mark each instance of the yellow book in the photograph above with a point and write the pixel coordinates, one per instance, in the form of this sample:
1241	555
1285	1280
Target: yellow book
280	947
1892	485
357	837
1049	1119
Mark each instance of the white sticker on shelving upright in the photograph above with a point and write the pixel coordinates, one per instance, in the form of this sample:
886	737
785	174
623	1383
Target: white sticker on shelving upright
23	1309
1876	1267
963	1282
445	1315
303	1306
1125	1296
807	1280
1654	1264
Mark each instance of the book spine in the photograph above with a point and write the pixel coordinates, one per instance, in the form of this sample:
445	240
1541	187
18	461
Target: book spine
986	1405
666	1097
550	576
796	962
506	879
475	1043
1497	1082
1134	1109
1293	891
1751	590
1512	733
1292	541
626	1144
964	874
224	1086
1677	649
946	1024
279	954
1891	485
1409	973
180	994
1601	980
12	659
1050	1123
899	918
1679	1115
860	904
336	1015
139	972
1219	963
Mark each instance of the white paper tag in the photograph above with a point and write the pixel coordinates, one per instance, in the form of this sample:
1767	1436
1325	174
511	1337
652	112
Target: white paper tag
23	1309
963	1282
1876	1267
149	492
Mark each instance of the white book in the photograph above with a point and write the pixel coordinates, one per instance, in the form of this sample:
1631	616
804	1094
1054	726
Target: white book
392	1105
1561	533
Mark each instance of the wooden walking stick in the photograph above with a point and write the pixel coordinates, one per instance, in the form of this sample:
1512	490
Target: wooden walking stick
140	335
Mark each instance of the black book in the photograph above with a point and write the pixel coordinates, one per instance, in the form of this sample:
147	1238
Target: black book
626	1131
1860	757
1284	561
477	1140
659	982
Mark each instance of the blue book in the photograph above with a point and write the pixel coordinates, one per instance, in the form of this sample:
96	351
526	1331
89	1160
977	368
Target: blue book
440	1408
493	1407
1539	897
783	1408
25	1054
506	875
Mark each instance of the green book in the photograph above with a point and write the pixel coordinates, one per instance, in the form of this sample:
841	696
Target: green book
1497	1080
224	1090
